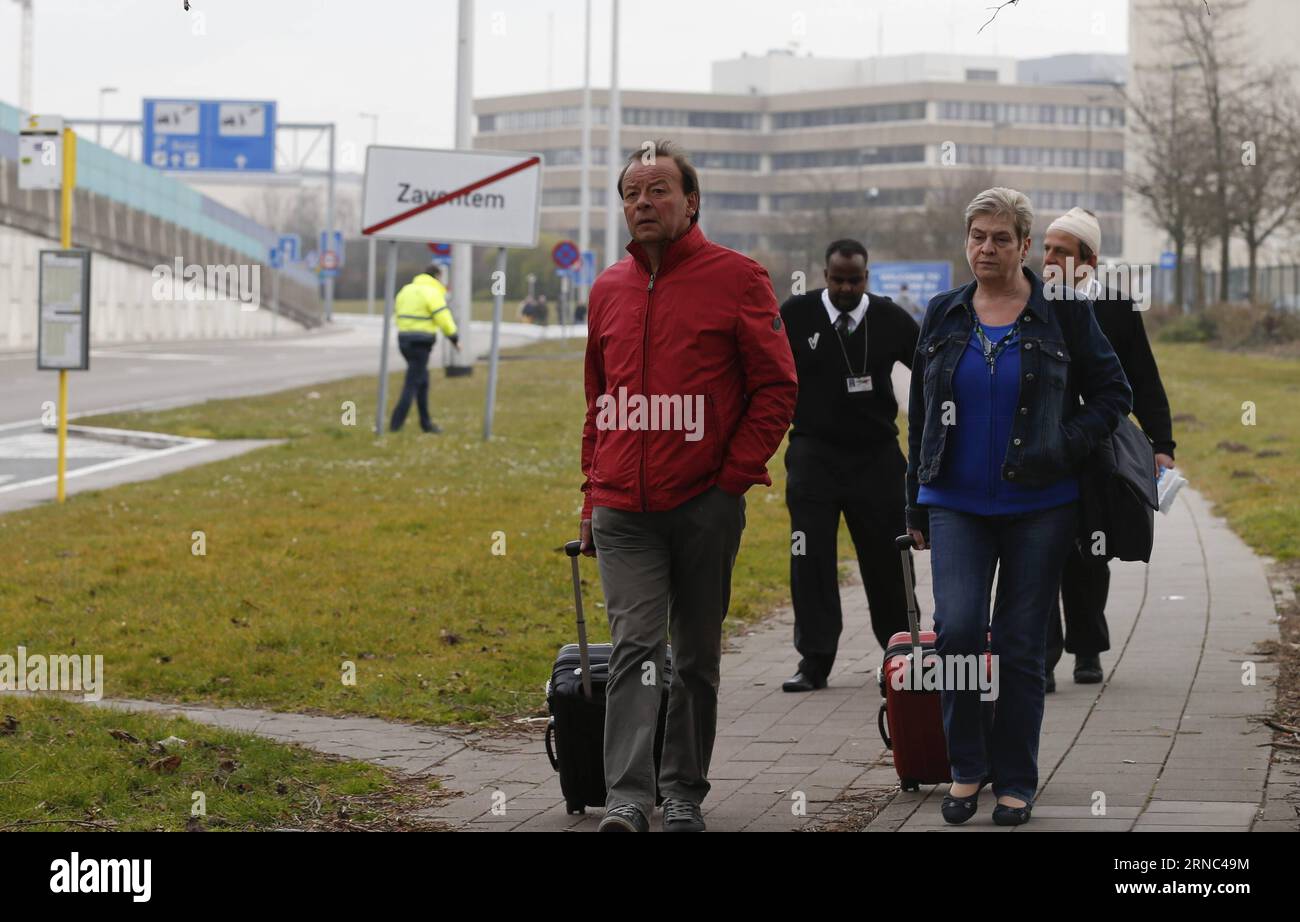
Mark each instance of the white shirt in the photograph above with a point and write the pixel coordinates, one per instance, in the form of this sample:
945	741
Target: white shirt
1093	289
855	315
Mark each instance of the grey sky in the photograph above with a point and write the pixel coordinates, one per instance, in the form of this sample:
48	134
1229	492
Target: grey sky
328	60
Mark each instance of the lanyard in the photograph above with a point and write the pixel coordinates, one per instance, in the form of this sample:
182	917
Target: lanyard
844	352
991	350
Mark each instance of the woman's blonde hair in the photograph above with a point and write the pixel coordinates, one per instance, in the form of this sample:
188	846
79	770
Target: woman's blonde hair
1003	203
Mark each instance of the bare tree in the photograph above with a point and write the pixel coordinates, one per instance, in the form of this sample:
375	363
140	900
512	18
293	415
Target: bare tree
1211	40
1172	166
1266	125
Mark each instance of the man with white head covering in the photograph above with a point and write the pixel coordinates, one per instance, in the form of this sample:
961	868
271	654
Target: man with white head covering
1070	247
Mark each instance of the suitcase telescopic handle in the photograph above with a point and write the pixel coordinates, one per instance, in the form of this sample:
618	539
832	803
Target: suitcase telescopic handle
905	543
572	549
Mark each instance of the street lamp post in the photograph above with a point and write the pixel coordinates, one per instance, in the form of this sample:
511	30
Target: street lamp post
103	91
370	243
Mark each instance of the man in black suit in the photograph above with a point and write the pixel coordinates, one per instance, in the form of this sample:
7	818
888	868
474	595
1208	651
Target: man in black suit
1070	249
844	457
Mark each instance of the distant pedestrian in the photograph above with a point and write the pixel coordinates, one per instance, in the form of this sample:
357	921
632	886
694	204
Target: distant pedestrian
422	311
909	304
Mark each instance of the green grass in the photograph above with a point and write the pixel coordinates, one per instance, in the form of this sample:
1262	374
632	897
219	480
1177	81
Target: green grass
1255	489
60	769
337	547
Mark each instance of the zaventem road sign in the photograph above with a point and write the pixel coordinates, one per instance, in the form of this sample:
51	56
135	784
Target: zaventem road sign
483	197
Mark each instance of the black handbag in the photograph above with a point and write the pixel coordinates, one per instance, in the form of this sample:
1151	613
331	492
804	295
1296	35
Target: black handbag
1117	496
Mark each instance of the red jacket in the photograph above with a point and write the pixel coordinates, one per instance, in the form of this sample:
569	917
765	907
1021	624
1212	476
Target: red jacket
700	348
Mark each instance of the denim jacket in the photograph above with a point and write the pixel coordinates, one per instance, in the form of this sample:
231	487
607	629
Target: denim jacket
1064	356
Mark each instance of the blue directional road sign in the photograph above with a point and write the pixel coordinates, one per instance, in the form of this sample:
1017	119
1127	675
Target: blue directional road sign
195	134
1168	260
587	273
290	245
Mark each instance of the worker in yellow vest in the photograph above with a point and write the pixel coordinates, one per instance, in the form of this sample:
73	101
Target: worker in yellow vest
421	312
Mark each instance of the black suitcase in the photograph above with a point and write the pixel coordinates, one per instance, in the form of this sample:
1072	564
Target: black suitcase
575	696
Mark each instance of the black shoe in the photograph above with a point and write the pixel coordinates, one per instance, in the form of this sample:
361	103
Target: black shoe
432	429
1087	670
624	818
1051	682
1011	816
957	810
802	682
682	816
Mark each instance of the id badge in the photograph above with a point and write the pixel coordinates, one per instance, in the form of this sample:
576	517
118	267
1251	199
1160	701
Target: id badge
858	385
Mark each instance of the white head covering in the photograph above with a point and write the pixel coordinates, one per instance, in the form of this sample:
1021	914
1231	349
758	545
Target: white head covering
1079	223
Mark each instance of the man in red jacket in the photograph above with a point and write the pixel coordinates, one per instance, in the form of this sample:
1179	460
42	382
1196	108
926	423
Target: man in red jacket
690	388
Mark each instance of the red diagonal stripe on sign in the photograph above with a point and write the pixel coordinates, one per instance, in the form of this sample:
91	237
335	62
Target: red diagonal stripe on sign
508	171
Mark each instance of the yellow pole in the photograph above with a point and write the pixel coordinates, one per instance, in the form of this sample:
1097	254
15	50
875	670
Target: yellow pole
65	241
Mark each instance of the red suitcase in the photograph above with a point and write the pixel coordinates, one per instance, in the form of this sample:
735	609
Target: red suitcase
911	721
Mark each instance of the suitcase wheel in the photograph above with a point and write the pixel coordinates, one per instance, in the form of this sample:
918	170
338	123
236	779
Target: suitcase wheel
911	785
572	808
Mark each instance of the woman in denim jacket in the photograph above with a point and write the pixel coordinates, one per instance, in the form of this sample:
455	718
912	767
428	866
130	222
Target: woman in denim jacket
996	436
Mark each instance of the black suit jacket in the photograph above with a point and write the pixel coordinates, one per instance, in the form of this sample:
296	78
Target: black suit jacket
1128	337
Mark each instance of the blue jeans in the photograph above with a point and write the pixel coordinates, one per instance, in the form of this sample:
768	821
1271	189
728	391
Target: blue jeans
1029	550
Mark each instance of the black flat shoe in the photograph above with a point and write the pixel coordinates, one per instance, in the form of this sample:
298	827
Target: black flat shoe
800	682
1011	816
1051	683
957	810
1087	670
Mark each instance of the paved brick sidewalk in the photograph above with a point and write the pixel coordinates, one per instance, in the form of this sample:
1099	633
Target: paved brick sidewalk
1170	739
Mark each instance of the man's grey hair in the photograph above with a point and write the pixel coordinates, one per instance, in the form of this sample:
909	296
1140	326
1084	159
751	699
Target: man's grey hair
1002	202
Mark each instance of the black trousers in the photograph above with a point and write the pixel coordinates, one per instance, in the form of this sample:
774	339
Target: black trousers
415	349
1085	585
822	483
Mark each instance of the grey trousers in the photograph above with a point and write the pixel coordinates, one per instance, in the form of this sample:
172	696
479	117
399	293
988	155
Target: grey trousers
665	573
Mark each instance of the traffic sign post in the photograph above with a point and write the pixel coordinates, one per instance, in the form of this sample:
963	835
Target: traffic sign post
483	197
565	254
192	134
63	292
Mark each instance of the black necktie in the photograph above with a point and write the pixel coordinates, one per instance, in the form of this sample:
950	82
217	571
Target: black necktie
842	326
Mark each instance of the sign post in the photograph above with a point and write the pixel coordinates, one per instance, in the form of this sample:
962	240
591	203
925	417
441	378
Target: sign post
63	310
390	295
456	196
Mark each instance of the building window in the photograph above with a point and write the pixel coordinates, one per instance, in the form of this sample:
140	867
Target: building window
729	201
853	156
985	76
723	160
540	119
848	198
849	115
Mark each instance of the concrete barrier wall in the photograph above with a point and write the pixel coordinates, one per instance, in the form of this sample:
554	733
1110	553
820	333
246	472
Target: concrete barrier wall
123	307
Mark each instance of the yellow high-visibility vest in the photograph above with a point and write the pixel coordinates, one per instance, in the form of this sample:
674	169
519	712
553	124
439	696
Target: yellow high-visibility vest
421	307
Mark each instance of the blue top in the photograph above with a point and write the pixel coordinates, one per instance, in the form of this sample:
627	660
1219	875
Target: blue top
970	478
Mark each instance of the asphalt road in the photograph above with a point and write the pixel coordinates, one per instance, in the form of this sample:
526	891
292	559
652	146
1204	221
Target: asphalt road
171	374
